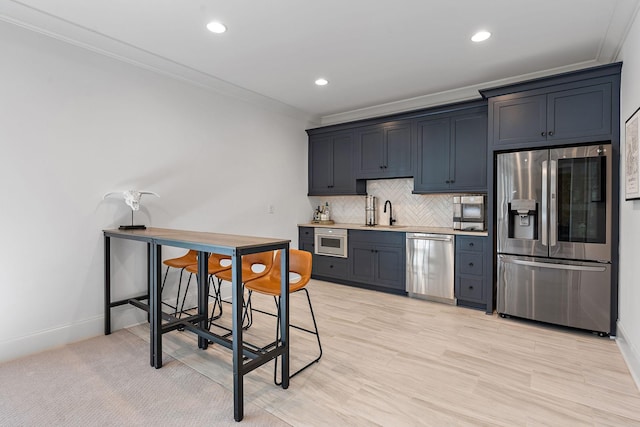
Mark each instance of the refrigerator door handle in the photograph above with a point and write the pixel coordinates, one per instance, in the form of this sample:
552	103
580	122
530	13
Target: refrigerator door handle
554	266
543	214
553	203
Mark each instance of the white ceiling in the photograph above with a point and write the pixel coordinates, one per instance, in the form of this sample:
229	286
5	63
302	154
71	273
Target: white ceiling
380	56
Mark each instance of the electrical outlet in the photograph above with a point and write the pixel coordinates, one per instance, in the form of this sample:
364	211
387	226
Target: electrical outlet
270	209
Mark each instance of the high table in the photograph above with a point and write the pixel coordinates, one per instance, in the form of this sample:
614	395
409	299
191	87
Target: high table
245	358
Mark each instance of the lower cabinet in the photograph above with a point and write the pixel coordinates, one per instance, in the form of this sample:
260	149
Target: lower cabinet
471	286
330	267
377	260
306	238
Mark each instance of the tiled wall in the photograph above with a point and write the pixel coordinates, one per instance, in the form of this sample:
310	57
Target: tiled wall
432	210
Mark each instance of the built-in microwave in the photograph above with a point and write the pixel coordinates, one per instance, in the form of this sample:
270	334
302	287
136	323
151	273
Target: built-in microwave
331	242
469	213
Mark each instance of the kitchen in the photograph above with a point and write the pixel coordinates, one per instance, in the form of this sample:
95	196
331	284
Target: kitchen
80	140
447	151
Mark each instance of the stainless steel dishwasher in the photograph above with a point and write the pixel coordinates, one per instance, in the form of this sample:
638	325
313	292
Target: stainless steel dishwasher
430	267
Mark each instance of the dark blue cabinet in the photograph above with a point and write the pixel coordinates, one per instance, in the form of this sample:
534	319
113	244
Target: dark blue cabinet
385	150
331	157
377	260
306	239
452	153
576	113
471	285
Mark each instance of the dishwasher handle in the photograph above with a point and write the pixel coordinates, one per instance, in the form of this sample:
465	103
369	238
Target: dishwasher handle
428	236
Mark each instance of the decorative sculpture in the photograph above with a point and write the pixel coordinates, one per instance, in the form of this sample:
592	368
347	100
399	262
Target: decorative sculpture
132	199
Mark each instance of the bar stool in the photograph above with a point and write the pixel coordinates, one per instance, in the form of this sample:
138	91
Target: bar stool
216	266
300	262
182	262
249	273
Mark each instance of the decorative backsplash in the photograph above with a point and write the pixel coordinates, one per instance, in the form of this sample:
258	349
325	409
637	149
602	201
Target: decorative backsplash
431	210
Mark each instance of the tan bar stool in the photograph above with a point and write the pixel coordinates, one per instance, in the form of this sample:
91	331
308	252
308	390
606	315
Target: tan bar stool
249	273
216	266
300	262
190	258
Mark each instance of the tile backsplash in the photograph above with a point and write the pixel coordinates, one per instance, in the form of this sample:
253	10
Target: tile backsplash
431	210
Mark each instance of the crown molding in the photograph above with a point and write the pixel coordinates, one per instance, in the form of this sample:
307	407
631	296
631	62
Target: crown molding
19	14
466	93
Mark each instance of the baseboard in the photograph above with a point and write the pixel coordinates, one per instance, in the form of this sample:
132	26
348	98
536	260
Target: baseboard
630	354
121	317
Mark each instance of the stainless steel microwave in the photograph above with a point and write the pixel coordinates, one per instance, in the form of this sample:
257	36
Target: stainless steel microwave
331	242
469	213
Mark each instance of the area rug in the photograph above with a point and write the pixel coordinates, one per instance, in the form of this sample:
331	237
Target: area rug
107	381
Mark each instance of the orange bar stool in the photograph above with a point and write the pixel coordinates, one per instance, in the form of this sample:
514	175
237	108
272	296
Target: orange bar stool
217	265
190	258
250	272
300	262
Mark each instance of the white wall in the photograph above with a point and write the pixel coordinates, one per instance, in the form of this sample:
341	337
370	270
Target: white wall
75	125
629	319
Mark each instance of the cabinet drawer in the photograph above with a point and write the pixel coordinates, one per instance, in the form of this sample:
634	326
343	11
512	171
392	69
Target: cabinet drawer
306	233
330	266
469	244
377	237
470	263
470	289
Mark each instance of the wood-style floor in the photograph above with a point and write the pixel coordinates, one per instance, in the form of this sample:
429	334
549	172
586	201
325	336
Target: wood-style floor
395	361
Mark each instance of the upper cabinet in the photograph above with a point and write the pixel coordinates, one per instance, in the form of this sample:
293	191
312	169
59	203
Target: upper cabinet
565	114
571	108
452	152
331	157
385	150
443	148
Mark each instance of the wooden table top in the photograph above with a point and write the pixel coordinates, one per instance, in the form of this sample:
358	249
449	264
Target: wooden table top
167	235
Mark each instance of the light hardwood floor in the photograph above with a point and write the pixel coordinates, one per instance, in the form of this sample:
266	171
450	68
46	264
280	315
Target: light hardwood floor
395	361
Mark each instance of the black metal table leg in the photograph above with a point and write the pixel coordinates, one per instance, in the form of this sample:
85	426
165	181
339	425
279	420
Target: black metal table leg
155	325
203	296
284	314
107	285
236	331
149	264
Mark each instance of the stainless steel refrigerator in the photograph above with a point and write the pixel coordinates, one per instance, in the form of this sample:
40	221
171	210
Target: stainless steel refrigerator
553	230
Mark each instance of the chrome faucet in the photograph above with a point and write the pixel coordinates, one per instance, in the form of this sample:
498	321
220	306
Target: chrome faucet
391	219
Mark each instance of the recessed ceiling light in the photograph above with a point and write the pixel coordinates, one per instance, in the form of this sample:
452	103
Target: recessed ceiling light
216	27
481	36
322	82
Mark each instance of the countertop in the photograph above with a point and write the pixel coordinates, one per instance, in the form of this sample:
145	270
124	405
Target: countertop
398	228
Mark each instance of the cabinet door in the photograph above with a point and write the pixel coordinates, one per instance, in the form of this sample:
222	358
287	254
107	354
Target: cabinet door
306	245
390	267
579	112
385	151
399	160
370	152
469	153
343	179
362	262
434	138
320	165
519	119
331	165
